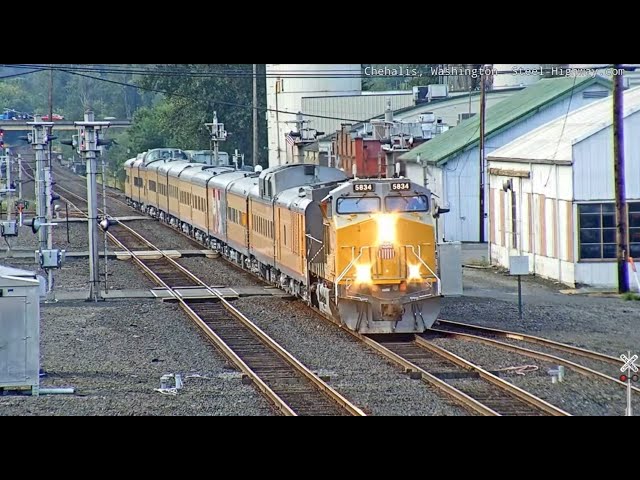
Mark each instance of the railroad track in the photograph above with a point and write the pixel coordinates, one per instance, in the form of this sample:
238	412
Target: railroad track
586	362
80	204
287	383
81	183
469	384
293	388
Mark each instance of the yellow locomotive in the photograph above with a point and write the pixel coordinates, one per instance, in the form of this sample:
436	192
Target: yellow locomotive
362	251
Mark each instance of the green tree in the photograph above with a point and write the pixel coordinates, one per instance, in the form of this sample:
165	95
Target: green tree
148	129
195	91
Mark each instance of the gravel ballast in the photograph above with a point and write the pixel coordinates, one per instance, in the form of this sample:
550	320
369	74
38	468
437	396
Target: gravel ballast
577	394
74	274
605	324
114	354
355	371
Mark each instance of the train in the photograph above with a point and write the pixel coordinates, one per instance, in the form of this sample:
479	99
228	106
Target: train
359	251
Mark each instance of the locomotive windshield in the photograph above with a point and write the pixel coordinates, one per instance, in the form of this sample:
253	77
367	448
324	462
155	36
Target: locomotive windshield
358	205
415	203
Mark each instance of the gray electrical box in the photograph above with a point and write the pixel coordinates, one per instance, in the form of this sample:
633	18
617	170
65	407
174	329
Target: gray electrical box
19	330
9	228
50	258
450	266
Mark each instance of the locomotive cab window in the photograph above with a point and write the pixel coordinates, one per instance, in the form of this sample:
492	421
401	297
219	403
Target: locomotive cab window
414	203
356	205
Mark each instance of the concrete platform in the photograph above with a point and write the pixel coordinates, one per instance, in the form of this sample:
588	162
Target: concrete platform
186	293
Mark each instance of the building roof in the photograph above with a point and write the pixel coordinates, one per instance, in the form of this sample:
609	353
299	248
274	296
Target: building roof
554	141
517	107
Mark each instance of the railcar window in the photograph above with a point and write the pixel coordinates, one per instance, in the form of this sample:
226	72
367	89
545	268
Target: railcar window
358	205
415	203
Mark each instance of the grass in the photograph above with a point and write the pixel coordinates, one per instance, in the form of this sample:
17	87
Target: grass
631	296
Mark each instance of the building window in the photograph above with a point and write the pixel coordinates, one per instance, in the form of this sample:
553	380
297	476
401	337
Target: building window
634	229
597	224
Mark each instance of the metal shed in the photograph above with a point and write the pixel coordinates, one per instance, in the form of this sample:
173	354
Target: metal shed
19	329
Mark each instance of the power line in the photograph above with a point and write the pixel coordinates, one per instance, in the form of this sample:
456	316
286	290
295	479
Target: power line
302	74
220	102
21	74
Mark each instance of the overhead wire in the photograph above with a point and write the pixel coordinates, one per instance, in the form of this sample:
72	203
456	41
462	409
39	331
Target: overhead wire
210	101
393	72
564	124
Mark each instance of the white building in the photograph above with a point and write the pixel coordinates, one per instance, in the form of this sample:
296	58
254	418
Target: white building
451	161
288	83
351	108
552	195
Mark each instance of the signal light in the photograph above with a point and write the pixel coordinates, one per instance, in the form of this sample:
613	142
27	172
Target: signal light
623	378
106	223
34	223
106	143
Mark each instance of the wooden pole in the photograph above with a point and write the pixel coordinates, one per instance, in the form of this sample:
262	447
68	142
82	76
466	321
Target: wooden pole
619	178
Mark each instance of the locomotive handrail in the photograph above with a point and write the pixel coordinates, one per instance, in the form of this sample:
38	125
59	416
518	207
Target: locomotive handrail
346	270
419	257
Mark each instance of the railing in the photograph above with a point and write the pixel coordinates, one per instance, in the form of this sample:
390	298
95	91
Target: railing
401	269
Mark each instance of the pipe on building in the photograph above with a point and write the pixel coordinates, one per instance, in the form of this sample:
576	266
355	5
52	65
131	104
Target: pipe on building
558	225
520	216
532	208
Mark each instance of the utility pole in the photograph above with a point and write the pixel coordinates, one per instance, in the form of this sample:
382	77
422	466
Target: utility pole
49	258
238	159
255	114
48	179
39	140
88	139
483	87
619	179
104	212
19	176
218	134
48	192
50	108
278	121
9	189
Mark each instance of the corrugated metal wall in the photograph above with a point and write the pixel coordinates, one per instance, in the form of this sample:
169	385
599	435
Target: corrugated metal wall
462	172
359	107
593	169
